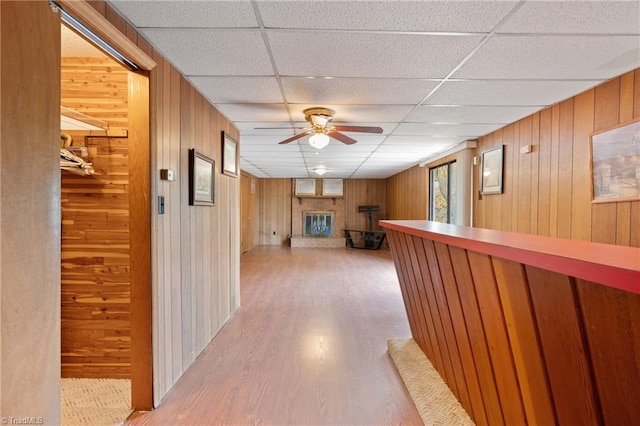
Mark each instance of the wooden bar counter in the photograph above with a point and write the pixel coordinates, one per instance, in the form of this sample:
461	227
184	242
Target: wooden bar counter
524	329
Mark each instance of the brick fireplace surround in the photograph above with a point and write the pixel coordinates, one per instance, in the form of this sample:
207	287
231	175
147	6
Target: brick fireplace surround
301	205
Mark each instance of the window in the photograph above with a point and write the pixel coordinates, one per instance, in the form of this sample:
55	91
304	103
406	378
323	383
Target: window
442	198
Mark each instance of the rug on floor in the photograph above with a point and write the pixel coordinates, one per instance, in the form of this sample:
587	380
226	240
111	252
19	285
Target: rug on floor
432	397
95	401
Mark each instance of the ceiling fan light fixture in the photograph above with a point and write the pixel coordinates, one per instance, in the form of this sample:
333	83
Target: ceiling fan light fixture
320	170
319	140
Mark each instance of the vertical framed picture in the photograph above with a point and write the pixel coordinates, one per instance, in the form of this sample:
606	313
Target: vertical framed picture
492	170
201	179
229	155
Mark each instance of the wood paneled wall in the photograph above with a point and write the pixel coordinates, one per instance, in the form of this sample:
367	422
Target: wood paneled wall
249	213
407	194
274	211
358	192
548	191
195	249
518	344
95	278
96	87
29	212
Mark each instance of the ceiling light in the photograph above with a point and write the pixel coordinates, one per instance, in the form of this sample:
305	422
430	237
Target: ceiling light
320	170
319	140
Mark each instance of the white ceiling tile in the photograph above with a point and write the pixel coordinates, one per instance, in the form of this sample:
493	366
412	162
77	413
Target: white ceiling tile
338	149
411	149
422	140
334	163
254	112
585	17
516	93
356	91
226	14
468	130
212	52
469	114
284	156
256	143
258	128
473	16
367	54
553	57
238	89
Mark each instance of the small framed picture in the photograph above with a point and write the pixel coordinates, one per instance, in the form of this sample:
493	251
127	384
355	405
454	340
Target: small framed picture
492	171
229	155
201	179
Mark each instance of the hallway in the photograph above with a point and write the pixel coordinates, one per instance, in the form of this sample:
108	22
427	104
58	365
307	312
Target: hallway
307	346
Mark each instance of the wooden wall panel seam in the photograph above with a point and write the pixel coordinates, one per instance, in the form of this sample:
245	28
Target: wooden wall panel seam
587	350
562	347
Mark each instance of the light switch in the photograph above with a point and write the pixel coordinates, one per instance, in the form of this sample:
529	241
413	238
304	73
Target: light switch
160	204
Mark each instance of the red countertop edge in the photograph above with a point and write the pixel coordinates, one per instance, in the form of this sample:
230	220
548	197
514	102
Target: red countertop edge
609	265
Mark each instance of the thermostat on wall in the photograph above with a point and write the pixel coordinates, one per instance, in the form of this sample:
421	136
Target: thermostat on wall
166	174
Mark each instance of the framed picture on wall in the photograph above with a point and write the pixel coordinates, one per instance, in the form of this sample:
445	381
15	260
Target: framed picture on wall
201	179
229	155
615	163
492	170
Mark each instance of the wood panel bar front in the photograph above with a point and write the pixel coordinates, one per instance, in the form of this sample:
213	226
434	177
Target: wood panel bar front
524	329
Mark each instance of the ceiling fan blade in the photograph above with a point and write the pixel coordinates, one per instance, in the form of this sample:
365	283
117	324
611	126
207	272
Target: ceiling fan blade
342	137
362	129
296	137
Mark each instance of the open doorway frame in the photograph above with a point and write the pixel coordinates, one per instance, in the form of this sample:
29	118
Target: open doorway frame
139	196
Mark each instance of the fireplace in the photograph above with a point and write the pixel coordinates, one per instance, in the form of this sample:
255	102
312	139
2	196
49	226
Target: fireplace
318	224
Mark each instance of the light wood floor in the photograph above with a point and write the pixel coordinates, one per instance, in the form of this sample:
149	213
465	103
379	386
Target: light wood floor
308	346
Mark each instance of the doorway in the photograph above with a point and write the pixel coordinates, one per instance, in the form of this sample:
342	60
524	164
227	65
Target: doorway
106	232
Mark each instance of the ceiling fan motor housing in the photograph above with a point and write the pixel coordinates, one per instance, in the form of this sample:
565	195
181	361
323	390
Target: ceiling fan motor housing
318	116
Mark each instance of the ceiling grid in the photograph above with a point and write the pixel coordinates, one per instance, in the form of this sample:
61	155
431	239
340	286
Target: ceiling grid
431	74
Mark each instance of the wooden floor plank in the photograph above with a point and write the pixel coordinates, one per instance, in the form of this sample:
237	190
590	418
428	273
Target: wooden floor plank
308	346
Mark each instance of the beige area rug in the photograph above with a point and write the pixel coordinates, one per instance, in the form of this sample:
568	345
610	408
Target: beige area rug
432	397
95	401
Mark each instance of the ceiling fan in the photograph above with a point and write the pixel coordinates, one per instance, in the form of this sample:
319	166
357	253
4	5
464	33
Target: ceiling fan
320	120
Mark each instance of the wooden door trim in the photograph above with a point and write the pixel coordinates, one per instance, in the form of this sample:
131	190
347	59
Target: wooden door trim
140	243
99	24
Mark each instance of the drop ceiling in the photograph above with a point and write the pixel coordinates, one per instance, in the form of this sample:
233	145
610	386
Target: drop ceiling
432	74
